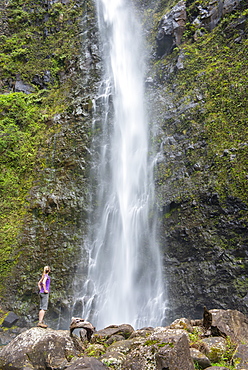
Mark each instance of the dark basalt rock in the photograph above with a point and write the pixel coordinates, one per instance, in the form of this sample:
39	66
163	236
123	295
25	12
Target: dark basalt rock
10	320
171	29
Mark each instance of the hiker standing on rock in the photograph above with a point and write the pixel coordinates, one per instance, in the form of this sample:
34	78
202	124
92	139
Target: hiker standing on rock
44	287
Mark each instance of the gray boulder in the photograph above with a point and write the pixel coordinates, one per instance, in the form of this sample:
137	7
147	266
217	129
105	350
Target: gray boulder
215	348
86	363
217	368
163	348
199	358
182	323
125	330
10	320
175	354
39	348
240	357
230	323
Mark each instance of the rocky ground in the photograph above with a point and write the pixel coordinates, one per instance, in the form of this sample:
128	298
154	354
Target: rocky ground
217	341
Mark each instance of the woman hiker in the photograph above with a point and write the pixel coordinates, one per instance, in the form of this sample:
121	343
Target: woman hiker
44	287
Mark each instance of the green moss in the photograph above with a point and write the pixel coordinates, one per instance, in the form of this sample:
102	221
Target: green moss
20	126
41	47
93	351
214	77
241	284
150	342
41	38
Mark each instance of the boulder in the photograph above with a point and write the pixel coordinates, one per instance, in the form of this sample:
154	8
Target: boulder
116	353
125	330
199	358
175	354
217	368
87	328
240	357
144	332
6	337
95	350
39	348
114	338
86	363
231	323
163	349
182	323
215	348
10	320
159	348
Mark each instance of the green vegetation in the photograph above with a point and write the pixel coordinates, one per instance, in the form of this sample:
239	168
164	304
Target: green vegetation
95	350
20	125
39	47
151	342
217	356
194	336
41	38
214	78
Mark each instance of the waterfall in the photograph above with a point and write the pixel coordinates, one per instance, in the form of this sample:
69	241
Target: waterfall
124	283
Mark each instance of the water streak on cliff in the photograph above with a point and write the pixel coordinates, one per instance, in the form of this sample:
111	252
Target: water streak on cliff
124	282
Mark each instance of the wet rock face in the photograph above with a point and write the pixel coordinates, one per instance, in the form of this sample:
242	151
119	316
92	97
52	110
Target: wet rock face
54	225
170	29
197	268
210	15
203	232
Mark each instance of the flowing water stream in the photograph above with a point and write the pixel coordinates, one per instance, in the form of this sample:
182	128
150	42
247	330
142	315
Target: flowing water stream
124	283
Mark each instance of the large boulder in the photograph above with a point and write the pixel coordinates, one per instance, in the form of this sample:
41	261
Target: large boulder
39	348
240	357
163	348
175	354
215	348
230	323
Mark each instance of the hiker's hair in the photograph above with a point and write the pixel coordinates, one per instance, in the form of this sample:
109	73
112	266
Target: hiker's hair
45	271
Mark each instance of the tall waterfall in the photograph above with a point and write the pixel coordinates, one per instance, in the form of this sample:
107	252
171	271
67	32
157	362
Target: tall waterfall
124	282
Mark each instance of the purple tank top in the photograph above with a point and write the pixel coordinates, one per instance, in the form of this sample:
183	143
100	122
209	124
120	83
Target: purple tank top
47	284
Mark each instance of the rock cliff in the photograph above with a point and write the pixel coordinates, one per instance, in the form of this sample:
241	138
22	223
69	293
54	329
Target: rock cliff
196	88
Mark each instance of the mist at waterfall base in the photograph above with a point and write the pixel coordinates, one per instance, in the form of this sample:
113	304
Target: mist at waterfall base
124	281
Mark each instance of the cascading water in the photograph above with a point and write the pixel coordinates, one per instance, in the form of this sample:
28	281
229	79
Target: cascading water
124	282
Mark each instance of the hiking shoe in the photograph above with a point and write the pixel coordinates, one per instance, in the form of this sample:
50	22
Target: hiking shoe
41	325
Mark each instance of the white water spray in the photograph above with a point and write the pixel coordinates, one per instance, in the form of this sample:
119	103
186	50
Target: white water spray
124	282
